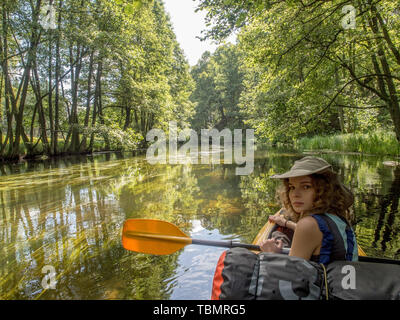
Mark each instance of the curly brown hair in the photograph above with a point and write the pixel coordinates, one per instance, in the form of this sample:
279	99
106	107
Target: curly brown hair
331	196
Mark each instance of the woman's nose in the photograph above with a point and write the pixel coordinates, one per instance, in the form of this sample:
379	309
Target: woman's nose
296	192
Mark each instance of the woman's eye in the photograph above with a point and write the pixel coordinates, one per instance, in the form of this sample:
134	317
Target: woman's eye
307	187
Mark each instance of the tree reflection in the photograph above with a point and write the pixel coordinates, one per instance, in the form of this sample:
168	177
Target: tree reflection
388	204
62	217
69	214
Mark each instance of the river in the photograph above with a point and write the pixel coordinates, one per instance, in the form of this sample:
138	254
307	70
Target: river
61	220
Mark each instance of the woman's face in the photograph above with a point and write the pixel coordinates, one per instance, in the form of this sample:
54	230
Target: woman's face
301	193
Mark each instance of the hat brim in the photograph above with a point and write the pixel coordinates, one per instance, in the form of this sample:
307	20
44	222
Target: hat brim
298	173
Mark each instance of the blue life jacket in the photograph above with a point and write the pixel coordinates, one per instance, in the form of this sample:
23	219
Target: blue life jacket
338	241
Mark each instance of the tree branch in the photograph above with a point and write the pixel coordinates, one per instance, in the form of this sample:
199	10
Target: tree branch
354	107
333	99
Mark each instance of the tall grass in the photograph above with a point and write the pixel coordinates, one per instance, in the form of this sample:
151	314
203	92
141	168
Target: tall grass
377	142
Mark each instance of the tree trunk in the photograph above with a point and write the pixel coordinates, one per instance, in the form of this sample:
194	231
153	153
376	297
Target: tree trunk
42	118
50	101
127	118
99	103
33	122
136	118
89	94
95	105
143	116
57	97
386	35
8	91
340	109
1	105
19	113
74	122
394	107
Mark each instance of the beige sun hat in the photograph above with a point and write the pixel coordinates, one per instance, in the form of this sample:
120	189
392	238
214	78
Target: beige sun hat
304	167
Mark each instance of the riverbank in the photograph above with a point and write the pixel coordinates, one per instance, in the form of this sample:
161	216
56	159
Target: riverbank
377	143
40	152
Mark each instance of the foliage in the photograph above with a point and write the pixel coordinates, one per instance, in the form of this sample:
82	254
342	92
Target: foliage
305	73
108	63
218	88
121	140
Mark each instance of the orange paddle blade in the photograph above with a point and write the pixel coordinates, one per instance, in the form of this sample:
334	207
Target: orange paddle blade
153	236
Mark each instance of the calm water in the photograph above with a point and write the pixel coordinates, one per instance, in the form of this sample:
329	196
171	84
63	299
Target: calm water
68	214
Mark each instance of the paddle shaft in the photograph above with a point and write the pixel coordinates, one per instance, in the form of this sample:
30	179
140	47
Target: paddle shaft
187	240
225	244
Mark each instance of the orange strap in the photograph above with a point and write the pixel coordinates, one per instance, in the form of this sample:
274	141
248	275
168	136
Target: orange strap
218	279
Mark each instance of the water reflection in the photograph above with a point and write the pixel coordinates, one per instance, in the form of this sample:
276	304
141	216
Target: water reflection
388	205
68	213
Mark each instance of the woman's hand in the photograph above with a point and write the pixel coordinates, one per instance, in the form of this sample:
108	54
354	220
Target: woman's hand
280	220
272	245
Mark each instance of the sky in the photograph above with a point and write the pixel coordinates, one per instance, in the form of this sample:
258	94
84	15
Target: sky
187	25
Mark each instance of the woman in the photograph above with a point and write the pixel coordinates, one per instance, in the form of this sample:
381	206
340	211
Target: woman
316	207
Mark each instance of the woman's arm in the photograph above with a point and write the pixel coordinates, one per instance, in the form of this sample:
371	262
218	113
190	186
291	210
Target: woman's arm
271	245
291	225
307	237
280	220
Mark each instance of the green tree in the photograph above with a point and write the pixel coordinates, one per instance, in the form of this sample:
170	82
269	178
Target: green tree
218	88
109	72
307	73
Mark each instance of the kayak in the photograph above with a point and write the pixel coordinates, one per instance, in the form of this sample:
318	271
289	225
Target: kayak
243	274
267	230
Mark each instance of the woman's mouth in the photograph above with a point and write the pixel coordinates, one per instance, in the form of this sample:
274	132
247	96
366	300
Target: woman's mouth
297	204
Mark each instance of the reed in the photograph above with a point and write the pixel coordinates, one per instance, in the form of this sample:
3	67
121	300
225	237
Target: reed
377	142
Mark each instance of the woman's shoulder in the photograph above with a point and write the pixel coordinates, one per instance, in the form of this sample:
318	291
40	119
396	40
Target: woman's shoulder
308	225
307	238
307	221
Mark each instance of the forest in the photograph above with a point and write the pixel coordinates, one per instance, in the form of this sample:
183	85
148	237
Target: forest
79	76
